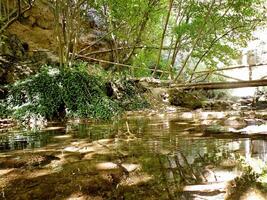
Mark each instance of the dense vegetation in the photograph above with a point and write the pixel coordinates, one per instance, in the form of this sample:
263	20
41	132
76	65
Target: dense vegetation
53	94
164	39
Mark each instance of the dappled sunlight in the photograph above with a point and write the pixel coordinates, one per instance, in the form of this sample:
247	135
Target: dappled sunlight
106	166
119	166
63	137
5	171
203	115
38	173
187	115
208	122
256	164
54	128
136	179
206	188
81	196
253	194
122	100
254	129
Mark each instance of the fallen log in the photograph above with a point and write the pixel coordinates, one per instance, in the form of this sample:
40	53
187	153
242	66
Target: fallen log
220	85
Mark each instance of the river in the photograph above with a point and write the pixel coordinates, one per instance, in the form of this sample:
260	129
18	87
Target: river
181	154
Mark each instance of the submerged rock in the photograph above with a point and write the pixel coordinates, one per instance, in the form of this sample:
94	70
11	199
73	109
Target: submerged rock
216	129
235	122
27	160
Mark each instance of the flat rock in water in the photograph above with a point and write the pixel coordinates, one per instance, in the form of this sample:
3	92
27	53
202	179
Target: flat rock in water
131	167
254	129
72	149
220	186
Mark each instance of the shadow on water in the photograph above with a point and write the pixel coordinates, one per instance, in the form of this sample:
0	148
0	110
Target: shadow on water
158	157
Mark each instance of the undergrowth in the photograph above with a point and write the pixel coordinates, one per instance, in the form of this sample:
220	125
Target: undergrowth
73	92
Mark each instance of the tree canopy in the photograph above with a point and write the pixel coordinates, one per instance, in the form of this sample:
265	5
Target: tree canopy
174	36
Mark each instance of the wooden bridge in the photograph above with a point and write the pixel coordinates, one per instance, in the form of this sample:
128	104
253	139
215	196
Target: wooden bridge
237	83
220	85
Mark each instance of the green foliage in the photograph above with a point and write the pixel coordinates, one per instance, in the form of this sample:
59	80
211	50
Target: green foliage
209	32
51	93
72	92
40	94
145	61
4	110
132	96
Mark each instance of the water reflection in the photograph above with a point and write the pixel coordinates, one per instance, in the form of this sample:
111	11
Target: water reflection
180	160
258	149
26	140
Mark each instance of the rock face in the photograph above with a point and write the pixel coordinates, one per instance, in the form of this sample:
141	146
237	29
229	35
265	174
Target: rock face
30	42
27	44
36	28
11	51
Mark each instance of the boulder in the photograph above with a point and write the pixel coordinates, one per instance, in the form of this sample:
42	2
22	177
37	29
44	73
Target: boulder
188	99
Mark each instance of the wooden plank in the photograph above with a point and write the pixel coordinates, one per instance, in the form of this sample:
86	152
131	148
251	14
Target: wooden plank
231	68
220	85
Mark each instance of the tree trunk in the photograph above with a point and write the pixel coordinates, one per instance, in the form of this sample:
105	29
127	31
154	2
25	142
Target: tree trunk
163	36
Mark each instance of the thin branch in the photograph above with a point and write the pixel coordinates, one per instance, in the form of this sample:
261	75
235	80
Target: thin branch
230	68
163	35
223	75
195	42
126	47
114	63
145	18
11	21
214	41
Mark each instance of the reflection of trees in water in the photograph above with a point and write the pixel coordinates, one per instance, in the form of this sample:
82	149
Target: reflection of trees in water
174	170
7	144
255	149
258	149
19	141
197	162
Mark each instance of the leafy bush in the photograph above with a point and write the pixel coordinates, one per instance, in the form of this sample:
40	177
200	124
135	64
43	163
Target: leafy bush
73	92
4	111
144	64
39	94
132	96
84	95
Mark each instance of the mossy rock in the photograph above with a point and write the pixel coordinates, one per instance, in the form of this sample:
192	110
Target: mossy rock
216	129
188	99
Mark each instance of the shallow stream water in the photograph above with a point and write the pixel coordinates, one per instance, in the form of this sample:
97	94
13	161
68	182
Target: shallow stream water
177	155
